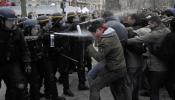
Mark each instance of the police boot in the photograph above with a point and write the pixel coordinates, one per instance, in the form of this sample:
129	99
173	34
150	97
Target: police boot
59	98
82	87
68	92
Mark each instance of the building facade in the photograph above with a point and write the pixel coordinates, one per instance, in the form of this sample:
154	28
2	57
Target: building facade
90	4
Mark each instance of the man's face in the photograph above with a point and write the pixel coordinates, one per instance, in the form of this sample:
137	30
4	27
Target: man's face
48	26
35	30
11	23
76	19
130	20
152	24
98	32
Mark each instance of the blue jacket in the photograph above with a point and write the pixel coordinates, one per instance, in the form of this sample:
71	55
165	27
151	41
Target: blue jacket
120	29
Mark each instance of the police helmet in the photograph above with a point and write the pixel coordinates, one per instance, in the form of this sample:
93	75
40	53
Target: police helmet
30	23
71	17
57	16
21	20
83	17
71	14
43	19
6	13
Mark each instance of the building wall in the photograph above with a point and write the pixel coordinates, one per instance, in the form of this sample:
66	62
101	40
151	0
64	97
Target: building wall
91	4
137	4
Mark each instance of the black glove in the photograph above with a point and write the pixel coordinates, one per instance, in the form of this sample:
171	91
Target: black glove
28	68
88	42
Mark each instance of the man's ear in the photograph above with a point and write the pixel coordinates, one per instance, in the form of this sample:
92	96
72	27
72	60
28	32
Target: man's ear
155	23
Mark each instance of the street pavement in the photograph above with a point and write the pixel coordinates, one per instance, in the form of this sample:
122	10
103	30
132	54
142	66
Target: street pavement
84	95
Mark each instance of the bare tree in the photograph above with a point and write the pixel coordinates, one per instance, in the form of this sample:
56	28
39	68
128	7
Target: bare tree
112	5
23	8
130	3
172	3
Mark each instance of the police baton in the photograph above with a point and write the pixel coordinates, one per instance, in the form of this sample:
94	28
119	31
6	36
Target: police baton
69	58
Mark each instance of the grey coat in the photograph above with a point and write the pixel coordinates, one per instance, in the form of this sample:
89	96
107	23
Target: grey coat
120	29
156	36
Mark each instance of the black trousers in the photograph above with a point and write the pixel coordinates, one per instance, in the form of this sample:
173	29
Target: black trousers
156	79
78	53
170	81
63	66
47	73
34	80
13	76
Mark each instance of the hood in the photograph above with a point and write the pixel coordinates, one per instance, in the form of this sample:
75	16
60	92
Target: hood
108	32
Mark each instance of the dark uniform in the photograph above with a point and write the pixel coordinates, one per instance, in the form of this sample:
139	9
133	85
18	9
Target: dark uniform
31	29
13	53
88	60
48	60
62	47
77	51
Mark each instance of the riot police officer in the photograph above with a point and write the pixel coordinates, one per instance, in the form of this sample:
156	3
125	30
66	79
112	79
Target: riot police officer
21	20
31	32
62	46
72	21
77	51
57	22
88	62
49	60
84	17
45	24
13	54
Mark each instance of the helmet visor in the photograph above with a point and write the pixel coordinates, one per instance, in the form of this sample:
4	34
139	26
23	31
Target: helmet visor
35	30
12	20
11	23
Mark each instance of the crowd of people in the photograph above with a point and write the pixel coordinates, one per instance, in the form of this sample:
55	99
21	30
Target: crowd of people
134	53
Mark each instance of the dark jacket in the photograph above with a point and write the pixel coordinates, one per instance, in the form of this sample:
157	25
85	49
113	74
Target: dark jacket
110	50
13	47
120	29
168	48
155	36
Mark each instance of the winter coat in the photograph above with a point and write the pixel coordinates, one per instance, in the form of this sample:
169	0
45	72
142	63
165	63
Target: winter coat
110	50
134	51
154	38
168	46
13	46
120	29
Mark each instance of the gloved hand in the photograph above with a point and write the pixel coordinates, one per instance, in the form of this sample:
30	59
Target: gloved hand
28	68
88	42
